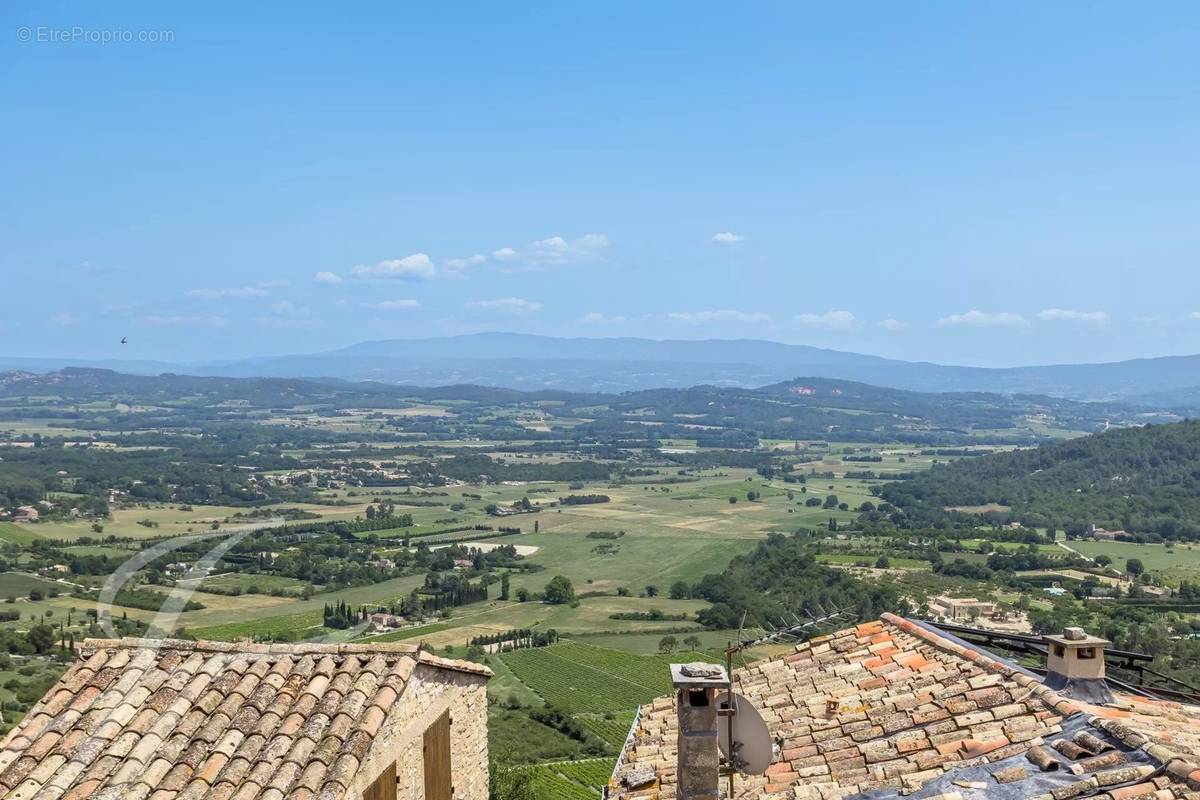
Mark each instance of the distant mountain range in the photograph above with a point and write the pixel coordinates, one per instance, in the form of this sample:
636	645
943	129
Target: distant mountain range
523	361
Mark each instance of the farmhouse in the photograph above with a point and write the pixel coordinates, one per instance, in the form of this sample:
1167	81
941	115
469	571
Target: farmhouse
895	708
385	622
135	719
25	514
961	608
1096	532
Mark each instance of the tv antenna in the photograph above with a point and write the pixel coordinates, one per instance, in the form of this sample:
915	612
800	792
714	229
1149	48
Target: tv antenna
744	741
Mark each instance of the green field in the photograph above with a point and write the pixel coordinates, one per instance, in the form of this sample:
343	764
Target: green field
252	584
582	678
23	534
572	780
19	584
1175	562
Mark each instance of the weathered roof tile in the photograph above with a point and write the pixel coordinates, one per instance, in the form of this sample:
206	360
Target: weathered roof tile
176	720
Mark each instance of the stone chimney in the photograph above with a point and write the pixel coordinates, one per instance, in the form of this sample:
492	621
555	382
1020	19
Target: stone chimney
1075	666
698	690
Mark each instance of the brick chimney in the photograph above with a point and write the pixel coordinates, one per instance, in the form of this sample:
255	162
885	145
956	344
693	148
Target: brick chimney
1075	666
698	688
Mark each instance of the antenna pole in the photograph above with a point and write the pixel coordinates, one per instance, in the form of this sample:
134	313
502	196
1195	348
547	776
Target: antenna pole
729	707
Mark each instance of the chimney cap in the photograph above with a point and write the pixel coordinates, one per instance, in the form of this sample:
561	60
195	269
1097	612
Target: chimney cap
1068	640
1075	634
698	675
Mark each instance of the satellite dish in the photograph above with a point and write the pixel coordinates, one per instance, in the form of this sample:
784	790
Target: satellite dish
752	750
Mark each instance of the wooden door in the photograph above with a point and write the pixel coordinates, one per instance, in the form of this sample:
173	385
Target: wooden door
384	787
437	760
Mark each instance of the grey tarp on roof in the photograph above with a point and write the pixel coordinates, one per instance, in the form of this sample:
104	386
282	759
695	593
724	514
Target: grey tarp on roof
1036	782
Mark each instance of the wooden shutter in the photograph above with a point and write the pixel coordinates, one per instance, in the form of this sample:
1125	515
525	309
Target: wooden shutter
437	760
384	787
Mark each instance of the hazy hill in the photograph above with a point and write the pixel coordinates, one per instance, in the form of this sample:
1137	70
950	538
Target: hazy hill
522	361
804	408
1145	480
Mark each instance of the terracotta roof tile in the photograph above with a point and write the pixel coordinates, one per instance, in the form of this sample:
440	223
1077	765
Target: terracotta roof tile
910	705
176	720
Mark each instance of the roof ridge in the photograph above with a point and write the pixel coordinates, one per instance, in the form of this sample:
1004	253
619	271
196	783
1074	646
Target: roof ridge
90	646
251	648
1051	699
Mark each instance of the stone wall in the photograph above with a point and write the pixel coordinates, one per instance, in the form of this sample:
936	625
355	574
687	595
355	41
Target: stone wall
429	692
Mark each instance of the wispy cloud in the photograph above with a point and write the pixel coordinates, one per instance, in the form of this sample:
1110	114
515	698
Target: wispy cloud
506	305
227	294
719	315
982	319
327	278
830	320
596	318
554	251
393	305
63	320
892	325
459	267
728	237
416	267
1067	315
1194	315
182	321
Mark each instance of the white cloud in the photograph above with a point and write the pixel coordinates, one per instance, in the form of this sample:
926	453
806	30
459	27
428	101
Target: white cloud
893	325
596	318
461	264
275	284
506	305
63	320
181	321
393	305
417	267
224	294
981	319
1067	315
554	251
327	278
1194	315
830	320
726	237
719	315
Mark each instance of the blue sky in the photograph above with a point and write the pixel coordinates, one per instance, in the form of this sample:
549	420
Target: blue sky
977	183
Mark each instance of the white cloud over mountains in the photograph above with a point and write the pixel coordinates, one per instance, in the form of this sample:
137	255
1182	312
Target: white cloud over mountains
597	318
226	294
830	320
1067	315
719	315
393	305
553	251
506	305
983	319
416	267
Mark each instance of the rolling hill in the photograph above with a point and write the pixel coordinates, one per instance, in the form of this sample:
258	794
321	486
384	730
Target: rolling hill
1144	480
524	361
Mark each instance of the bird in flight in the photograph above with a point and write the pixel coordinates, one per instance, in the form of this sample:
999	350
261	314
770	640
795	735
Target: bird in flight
124	340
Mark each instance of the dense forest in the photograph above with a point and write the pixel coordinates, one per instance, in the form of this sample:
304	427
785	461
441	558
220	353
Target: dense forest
1143	480
780	581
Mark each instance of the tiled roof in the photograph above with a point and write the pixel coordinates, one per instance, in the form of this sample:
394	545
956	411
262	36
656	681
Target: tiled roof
888	706
177	720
